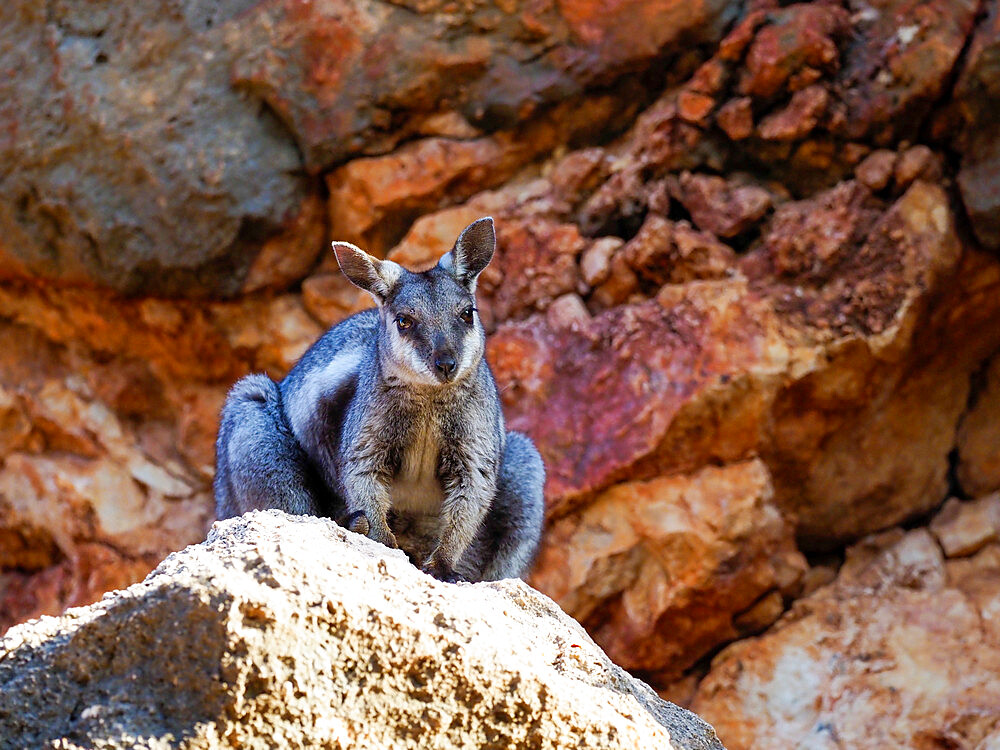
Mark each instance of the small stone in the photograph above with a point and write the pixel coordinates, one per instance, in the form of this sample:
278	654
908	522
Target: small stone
736	118
694	107
798	118
916	162
963	528
565	311
595	263
876	170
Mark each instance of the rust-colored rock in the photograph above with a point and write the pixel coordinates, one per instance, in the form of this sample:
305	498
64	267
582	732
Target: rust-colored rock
979	436
664	252
351	77
901	651
108	410
736	118
720	207
662	571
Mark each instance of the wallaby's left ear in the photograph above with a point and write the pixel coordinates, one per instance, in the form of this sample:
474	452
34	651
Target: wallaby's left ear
472	252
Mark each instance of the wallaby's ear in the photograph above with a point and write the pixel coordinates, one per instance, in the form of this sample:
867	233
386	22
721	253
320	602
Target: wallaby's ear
472	252
377	277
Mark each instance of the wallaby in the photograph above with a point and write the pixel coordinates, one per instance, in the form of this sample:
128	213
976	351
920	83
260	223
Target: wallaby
392	423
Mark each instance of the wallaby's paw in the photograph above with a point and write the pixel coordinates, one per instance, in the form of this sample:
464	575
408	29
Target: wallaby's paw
383	536
441	571
358	523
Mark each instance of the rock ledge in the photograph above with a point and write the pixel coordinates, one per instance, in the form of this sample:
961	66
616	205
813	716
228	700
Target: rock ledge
288	631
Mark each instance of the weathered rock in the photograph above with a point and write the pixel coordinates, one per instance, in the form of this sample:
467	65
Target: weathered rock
638	382
108	412
877	382
977	94
350	76
128	157
901	651
719	207
291	631
962	528
662	571
979	436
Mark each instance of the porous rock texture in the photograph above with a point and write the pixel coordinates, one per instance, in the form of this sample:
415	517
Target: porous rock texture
745	297
284	631
902	650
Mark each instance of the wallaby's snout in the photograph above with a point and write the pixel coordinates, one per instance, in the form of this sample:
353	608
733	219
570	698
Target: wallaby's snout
445	365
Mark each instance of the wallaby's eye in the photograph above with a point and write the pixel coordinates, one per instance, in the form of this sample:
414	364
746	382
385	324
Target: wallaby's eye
466	314
403	322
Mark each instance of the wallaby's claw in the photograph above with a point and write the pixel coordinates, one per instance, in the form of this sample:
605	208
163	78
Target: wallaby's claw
441	571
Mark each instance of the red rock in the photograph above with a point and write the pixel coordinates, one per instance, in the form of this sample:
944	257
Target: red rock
903	57
721	207
876	170
901	651
348	80
633	380
664	570
798	117
694	107
791	38
666	252
736	118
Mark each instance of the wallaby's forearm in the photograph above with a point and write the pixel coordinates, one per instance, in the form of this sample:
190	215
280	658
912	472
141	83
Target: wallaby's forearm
469	487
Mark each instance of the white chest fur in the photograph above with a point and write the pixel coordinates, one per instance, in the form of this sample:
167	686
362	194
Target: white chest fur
416	488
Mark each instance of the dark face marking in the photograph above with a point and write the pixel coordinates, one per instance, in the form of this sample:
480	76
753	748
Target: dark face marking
434	318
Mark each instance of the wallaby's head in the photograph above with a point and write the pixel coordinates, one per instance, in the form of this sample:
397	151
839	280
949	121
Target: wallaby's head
429	330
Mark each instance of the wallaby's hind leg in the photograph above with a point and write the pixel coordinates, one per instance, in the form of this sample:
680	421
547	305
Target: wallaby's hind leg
507	541
258	462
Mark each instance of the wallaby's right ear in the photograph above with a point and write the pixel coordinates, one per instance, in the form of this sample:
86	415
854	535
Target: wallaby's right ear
472	252
377	277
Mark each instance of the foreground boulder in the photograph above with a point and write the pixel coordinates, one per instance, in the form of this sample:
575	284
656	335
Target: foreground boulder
283	632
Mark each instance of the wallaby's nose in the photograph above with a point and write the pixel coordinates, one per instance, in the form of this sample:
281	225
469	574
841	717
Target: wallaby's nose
445	364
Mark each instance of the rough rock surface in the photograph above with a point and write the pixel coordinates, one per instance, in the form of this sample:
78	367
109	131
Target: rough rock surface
284	631
662	571
902	650
979	436
745	296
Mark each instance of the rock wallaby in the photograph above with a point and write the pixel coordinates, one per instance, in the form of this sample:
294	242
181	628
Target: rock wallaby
391	423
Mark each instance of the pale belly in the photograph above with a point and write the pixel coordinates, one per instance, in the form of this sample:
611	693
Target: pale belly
415	489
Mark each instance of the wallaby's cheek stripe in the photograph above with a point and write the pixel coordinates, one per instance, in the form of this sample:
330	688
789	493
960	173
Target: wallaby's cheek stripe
404	352
471	349
335	373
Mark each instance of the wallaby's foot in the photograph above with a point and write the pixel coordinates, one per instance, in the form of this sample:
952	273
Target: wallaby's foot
358	523
442	571
382	535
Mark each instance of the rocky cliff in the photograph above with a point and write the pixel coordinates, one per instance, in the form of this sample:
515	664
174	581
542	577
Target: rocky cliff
745	299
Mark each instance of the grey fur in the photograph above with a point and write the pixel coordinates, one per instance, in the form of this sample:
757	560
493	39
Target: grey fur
391	422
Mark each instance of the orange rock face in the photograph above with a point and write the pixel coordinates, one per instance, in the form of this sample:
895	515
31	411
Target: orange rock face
663	570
